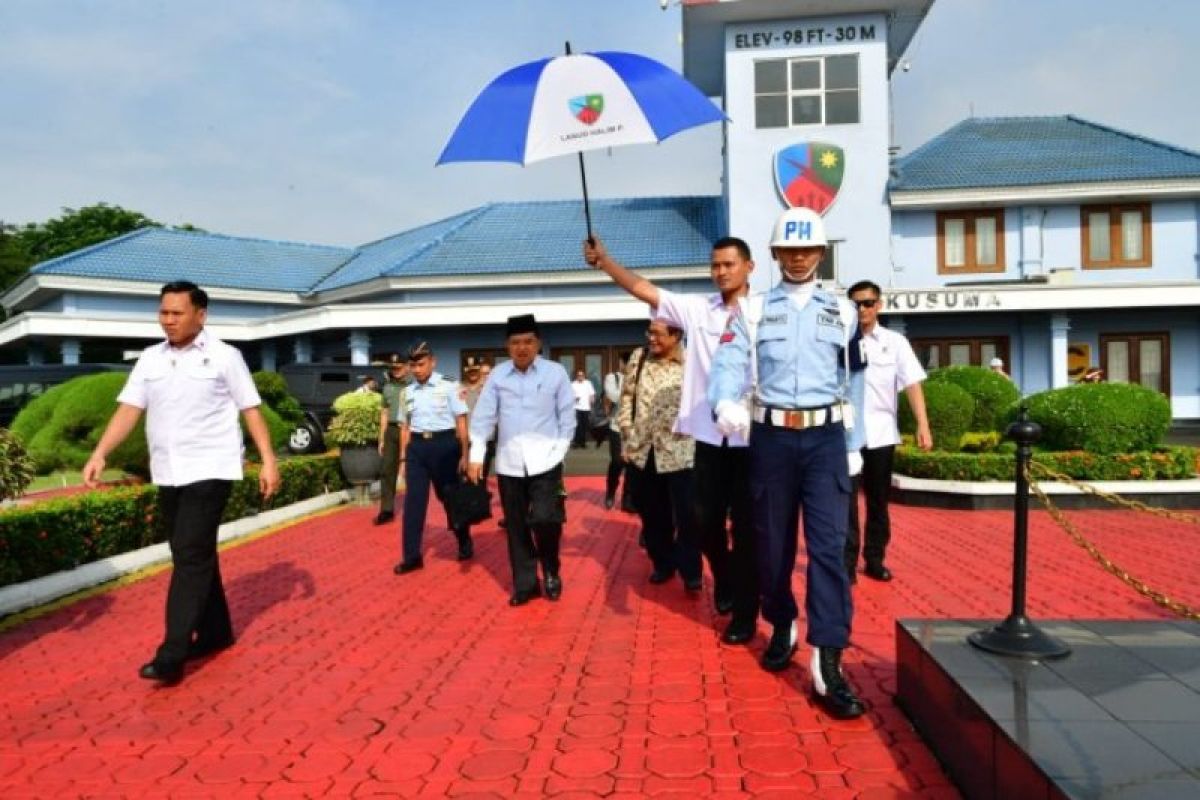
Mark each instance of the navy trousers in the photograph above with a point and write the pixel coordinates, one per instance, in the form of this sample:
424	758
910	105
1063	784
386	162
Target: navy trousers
792	470
430	462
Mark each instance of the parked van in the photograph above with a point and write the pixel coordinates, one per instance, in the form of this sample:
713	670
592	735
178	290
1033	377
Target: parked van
21	383
315	387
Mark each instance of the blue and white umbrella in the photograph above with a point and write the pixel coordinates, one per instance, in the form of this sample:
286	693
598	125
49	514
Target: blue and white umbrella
575	103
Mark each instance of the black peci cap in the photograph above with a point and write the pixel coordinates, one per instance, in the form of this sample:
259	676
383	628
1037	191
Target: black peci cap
522	323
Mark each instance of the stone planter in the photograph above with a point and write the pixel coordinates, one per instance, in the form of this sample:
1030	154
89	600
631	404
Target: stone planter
361	465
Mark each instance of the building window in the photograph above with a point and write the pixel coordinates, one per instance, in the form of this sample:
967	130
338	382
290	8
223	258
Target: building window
1115	235
790	92
975	351
1143	358
970	241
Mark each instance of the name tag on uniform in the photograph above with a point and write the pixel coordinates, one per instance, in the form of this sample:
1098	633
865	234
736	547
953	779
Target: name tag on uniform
829	328
832	320
774	319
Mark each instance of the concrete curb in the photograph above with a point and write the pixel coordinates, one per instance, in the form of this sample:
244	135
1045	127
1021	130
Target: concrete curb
21	596
998	495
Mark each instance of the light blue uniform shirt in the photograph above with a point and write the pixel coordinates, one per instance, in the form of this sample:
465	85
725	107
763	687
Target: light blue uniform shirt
534	414
799	359
433	405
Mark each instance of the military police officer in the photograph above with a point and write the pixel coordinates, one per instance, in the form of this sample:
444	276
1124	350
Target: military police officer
435	427
793	346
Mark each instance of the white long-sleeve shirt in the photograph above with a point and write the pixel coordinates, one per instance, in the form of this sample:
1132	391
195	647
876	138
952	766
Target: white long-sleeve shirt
534	414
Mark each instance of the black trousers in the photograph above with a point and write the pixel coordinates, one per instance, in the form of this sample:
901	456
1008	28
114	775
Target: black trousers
723	494
195	598
582	425
876	483
616	464
391	468
665	504
534	513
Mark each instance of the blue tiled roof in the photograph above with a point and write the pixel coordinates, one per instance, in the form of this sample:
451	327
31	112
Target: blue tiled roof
1032	151
532	237
158	255
496	239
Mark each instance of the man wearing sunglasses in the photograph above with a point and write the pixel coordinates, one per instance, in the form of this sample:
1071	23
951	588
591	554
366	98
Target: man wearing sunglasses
892	367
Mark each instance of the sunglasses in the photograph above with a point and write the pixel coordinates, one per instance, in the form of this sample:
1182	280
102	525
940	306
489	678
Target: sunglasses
868	303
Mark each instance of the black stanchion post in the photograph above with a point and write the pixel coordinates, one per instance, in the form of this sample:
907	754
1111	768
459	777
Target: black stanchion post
1017	635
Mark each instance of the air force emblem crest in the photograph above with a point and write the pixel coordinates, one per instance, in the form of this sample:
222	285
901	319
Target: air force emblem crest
809	174
587	108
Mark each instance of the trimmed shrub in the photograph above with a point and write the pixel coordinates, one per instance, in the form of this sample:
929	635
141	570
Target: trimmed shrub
1099	417
992	393
950	411
61	427
276	427
356	423
274	392
16	467
52	535
1166	463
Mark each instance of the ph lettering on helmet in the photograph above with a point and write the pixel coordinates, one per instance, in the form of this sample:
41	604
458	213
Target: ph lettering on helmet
801	230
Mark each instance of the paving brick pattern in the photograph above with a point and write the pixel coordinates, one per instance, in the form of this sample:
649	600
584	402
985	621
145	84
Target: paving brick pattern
348	681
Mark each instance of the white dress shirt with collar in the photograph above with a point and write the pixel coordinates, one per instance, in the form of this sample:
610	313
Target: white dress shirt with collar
892	367
703	319
534	414
192	397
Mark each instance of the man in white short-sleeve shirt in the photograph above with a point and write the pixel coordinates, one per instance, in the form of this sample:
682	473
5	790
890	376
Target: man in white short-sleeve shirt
721	469
892	367
191	387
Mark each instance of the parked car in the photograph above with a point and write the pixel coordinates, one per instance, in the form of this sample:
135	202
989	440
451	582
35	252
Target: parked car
315	387
22	382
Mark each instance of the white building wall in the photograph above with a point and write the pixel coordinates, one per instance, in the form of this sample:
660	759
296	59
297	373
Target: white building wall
859	218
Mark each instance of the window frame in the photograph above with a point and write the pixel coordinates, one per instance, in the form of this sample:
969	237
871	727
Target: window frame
970	267
999	342
1114	211
789	94
1134	339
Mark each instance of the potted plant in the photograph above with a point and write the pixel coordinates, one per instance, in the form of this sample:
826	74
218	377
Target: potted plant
16	468
355	430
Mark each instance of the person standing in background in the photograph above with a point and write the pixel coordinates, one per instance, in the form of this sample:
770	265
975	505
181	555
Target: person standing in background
585	395
613	383
391	425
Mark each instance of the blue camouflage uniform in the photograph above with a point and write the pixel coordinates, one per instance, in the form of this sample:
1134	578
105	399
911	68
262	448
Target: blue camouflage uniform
800	359
432	409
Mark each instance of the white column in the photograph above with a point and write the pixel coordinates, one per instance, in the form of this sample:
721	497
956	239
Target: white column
266	355
71	351
360	348
1060	326
302	350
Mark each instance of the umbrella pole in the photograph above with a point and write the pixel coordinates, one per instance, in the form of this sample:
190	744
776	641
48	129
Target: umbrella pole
587	211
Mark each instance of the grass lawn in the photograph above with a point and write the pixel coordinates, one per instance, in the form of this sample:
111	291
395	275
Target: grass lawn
57	480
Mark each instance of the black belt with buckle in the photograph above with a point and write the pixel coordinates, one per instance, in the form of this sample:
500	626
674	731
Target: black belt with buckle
433	434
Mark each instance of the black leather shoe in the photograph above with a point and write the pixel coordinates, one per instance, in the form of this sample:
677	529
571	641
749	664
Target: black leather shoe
830	688
466	547
627	505
405	567
722	600
877	571
502	522
198	649
553	586
780	649
522	597
609	502
693	584
661	575
739	631
384	517
153	671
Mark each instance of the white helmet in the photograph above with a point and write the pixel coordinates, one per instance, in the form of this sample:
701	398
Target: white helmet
799	227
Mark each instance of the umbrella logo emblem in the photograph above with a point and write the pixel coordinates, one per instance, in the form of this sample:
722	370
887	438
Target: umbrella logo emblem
587	108
809	174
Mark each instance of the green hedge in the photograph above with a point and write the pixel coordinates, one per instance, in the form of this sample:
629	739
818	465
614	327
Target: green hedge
992	393
1099	417
53	535
949	408
1166	463
60	428
273	390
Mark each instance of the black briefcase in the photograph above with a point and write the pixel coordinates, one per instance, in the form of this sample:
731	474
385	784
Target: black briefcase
468	503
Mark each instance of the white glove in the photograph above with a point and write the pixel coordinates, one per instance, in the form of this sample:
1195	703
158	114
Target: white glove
854	459
733	418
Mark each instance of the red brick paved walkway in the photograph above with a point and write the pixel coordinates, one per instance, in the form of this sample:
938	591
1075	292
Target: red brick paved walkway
349	681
